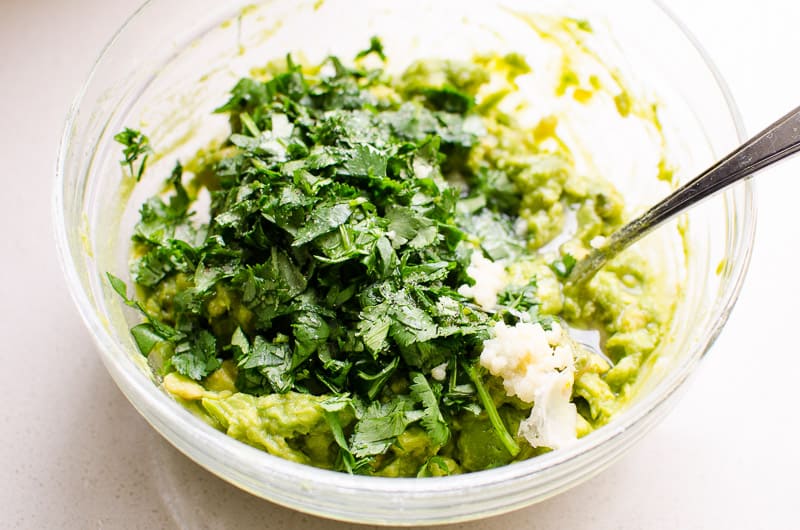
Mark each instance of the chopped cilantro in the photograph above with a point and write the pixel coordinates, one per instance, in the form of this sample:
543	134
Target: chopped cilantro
332	256
424	393
381	424
563	266
136	145
376	47
196	357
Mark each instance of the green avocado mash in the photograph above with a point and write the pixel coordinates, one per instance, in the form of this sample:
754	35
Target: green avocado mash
369	240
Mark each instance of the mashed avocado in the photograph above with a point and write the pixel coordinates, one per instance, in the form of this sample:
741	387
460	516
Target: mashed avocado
378	287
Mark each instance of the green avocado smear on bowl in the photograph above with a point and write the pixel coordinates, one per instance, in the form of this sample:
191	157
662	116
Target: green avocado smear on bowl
353	279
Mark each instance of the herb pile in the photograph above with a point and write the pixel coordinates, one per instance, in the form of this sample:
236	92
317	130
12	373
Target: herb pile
343	218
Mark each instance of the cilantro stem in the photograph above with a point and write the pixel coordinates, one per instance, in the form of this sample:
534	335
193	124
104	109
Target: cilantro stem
347	244
488	405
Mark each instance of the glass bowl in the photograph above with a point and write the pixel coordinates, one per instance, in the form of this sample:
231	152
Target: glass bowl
173	62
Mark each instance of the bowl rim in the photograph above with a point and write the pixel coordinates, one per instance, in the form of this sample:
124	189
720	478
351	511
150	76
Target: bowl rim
170	419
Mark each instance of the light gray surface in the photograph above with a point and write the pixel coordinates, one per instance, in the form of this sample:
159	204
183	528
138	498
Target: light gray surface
75	454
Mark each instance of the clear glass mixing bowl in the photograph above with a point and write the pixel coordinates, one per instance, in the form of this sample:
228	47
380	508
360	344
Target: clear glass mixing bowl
174	60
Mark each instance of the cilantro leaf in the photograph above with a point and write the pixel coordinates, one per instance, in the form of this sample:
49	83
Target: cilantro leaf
366	161
196	357
409	227
373	326
376	47
270	360
119	286
158	327
146	337
434	463
496	234
423	393
411	323
377	381
247	94
136	146
323	220
563	266
381	424
519	297
334	423
448	99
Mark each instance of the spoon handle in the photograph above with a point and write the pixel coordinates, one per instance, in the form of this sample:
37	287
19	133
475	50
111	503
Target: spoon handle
777	141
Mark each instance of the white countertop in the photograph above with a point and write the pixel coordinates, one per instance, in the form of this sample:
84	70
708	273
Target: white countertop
75	454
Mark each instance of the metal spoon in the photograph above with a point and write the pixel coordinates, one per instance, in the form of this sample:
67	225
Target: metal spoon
776	142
